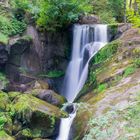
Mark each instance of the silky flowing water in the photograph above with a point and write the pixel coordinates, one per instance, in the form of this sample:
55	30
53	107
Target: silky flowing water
87	41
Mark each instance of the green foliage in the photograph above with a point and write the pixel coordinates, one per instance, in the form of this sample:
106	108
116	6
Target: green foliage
133	13
56	14
11	27
102	87
109	11
106	52
3	39
129	70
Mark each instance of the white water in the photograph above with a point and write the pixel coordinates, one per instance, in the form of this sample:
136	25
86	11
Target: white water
87	41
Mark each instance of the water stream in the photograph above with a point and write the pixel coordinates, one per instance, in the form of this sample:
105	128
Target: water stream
87	41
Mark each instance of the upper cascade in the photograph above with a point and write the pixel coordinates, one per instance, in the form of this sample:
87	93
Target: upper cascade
87	41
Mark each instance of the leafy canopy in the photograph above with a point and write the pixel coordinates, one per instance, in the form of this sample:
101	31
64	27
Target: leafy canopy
55	14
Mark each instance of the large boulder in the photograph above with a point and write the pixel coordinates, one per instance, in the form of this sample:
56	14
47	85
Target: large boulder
40	118
49	96
89	19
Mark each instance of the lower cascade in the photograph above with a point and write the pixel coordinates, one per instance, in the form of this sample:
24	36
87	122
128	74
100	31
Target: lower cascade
87	41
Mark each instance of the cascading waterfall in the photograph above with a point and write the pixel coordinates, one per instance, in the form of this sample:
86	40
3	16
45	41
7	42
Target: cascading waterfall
87	41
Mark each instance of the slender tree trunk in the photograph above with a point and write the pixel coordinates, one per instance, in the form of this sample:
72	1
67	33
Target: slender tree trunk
125	11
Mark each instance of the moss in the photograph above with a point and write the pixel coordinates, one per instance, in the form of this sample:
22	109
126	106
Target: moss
106	52
4	101
129	70
25	105
13	95
102	87
113	28
5	136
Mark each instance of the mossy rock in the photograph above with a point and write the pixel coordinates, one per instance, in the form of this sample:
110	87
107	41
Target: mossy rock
37	114
5	136
13	95
4	101
49	96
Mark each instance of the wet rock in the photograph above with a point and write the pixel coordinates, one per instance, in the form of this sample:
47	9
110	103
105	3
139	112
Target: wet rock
69	108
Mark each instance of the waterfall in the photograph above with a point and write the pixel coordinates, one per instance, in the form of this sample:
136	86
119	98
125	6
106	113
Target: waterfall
87	41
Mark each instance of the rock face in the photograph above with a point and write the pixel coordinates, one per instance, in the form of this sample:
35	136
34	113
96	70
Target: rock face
115	94
89	19
37	53
3	56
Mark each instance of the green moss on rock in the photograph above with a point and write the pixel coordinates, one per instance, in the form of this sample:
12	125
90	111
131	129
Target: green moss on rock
5	136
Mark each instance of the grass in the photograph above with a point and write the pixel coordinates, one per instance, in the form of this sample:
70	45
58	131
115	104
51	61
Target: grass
102	87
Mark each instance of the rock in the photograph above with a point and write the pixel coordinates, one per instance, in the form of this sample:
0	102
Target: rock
40	85
3	56
5	136
40	116
23	61
89	19
49	96
69	108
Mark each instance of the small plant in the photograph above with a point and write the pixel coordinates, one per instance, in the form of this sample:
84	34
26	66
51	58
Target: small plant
102	87
129	70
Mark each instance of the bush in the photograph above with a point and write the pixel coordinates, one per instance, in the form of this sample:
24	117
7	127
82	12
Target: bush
11	27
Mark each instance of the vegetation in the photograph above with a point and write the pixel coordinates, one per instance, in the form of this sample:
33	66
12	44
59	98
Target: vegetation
129	70
56	14
106	52
133	12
